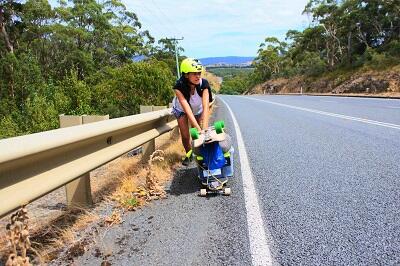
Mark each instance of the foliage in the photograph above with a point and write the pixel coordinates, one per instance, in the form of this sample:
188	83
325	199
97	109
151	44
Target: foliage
239	83
76	58
271	57
344	34
226	72
234	85
165	51
311	64
235	81
135	84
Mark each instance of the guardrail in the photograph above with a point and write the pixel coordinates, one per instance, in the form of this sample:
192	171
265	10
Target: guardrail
34	165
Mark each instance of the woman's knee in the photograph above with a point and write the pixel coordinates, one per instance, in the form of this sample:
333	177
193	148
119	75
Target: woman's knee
183	125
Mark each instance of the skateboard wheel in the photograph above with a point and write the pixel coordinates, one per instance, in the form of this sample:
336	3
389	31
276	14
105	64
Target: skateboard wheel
194	133
219	125
227	191
203	192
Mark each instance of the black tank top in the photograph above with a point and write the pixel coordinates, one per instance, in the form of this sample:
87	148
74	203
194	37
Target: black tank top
182	85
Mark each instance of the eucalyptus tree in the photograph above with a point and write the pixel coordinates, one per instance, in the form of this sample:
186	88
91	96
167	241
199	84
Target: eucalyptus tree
9	25
343	33
56	59
91	34
10	28
326	13
270	57
165	51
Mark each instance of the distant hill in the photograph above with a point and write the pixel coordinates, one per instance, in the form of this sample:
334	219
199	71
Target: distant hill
227	61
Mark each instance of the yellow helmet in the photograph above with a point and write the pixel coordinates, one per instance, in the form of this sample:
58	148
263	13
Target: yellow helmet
191	65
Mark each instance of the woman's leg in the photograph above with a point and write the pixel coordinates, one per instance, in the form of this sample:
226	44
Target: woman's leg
184	129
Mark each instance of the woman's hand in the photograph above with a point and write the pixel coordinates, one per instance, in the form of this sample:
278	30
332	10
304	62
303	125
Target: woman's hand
199	128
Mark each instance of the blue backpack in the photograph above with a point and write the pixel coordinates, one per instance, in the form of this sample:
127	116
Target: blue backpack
213	155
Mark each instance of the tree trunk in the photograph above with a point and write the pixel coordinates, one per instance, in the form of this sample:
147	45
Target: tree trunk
328	57
349	48
9	45
10	49
79	66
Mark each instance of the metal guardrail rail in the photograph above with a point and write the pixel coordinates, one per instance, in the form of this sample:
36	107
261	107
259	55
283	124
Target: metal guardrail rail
34	165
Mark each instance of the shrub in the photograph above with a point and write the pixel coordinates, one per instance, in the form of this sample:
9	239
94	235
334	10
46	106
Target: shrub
122	90
393	49
9	127
311	64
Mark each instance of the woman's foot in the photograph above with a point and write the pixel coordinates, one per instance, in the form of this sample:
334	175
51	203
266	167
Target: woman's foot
187	161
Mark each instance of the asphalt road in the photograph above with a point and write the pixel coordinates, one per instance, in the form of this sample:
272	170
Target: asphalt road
326	172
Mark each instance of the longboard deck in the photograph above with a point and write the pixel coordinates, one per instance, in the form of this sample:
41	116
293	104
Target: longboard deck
208	137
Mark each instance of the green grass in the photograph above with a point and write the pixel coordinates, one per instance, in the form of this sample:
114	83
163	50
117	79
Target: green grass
132	202
229	72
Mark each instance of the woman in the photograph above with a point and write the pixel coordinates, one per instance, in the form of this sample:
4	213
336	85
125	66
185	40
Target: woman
191	103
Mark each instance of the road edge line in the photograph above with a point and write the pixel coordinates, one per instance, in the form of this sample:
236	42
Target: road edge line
259	248
346	117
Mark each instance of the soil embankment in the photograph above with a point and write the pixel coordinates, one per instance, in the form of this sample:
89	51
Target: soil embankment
385	83
215	81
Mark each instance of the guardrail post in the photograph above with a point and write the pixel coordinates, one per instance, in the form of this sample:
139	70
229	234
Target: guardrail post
79	192
166	136
149	147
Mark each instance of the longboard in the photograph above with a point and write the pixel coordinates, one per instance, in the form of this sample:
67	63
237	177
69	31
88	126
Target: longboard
212	134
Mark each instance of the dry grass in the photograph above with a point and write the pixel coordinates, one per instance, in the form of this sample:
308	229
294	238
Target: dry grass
48	239
214	81
143	183
114	218
62	232
18	237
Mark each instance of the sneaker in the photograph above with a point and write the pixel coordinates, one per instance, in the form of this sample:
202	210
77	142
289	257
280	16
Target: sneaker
187	161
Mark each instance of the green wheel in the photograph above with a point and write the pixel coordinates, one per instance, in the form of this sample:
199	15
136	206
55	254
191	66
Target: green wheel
219	125
194	133
220	122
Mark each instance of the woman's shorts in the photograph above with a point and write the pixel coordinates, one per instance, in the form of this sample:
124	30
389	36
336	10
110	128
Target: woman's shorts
179	114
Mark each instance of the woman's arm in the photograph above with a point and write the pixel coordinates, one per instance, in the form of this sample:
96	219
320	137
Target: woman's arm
206	108
186	107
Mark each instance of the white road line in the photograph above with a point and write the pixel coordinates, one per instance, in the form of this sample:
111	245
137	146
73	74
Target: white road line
394	107
259	248
363	120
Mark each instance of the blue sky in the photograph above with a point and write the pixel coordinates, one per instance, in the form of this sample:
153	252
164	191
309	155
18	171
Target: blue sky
219	27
